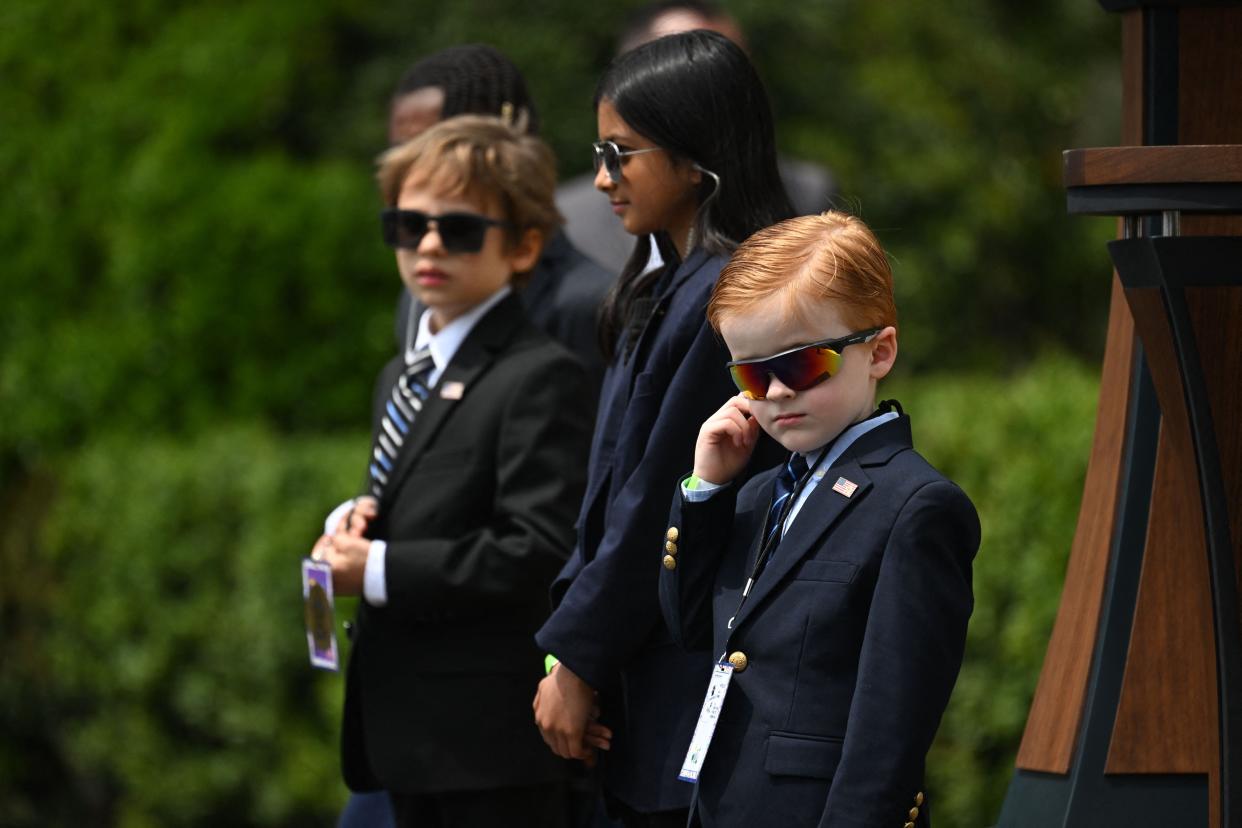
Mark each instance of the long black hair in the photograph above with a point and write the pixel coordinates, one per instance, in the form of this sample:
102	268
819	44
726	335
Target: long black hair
696	95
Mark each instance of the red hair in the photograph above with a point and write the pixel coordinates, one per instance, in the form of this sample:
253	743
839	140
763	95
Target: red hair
802	261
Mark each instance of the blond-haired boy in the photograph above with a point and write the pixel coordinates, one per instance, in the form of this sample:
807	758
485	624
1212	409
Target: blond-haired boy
476	468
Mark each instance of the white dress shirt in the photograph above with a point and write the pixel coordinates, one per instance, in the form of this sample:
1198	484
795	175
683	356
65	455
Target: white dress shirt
443	345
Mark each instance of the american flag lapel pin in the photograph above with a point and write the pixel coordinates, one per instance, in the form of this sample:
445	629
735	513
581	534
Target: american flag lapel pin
452	391
845	487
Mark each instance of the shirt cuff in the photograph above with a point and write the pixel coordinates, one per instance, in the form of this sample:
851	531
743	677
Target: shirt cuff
374	587
696	490
334	517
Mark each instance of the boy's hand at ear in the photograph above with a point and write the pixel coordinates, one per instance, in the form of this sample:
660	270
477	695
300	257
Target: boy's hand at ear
726	442
564	707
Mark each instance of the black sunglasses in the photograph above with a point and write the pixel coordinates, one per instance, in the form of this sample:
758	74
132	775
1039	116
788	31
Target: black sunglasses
608	155
459	232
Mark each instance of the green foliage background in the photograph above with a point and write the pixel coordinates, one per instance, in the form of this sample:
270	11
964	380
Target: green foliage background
196	302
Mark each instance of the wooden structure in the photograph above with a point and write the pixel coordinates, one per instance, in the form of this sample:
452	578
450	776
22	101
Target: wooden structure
1137	717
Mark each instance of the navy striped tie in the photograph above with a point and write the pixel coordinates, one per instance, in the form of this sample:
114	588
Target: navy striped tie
402	406
782	489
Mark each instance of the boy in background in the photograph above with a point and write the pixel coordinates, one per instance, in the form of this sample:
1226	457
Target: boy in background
475	474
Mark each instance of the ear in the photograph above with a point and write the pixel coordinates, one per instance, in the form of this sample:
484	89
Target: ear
883	353
523	254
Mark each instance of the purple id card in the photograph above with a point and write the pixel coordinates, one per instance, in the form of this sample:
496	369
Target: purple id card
317	604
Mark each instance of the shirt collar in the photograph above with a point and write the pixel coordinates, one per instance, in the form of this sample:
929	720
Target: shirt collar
838	446
445	342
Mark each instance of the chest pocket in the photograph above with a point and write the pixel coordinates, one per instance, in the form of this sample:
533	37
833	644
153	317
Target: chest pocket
840	572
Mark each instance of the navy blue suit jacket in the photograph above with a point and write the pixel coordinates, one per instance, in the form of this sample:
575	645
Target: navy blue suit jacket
606	627
853	636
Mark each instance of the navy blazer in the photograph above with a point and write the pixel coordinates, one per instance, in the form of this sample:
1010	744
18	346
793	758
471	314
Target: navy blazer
852	637
607	627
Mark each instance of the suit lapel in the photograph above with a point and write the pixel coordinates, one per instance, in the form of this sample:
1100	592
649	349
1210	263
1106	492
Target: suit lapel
479	350
698	257
823	507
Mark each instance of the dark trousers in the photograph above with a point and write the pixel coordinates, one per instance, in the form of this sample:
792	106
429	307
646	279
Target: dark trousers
534	806
635	819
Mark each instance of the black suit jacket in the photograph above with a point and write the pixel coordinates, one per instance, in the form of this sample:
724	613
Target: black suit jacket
853	636
478	515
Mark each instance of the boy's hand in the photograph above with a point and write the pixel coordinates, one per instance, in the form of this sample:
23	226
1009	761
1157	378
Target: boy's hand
348	557
563	707
726	442
357	520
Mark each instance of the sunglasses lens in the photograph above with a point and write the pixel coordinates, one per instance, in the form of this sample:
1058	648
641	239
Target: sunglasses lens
807	368
462	233
798	371
608	156
751	379
403	228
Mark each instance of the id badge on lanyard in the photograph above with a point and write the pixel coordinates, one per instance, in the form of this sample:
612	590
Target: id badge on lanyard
722	674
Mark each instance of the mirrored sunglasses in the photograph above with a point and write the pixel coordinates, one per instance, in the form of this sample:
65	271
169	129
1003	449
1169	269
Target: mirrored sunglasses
798	368
459	232
608	155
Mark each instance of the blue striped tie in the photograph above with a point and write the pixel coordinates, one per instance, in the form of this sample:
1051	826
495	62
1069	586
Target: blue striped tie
782	489
402	406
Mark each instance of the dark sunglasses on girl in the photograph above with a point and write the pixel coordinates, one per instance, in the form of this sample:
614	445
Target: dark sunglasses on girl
608	155
798	368
459	232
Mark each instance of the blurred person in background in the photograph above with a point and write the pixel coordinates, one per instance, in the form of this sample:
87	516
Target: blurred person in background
566	288
562	296
474	475
589	223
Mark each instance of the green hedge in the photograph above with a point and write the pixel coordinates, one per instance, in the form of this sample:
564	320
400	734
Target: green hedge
155	671
189	218
1018	446
164	668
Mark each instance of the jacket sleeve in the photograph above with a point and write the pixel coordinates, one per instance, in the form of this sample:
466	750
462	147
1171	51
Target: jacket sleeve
612	606
525	533
700	533
911	653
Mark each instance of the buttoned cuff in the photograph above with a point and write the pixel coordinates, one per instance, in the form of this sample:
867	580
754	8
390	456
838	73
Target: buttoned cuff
334	517
374	587
701	490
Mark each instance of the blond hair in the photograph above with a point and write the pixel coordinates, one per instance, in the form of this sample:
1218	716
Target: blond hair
830	257
479	157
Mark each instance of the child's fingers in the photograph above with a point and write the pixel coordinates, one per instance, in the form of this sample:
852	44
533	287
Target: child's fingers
598	736
740	402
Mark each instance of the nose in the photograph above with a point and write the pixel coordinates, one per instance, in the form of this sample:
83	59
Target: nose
778	390
603	181
431	244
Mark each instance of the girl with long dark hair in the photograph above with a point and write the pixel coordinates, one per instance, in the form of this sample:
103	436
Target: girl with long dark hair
686	156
